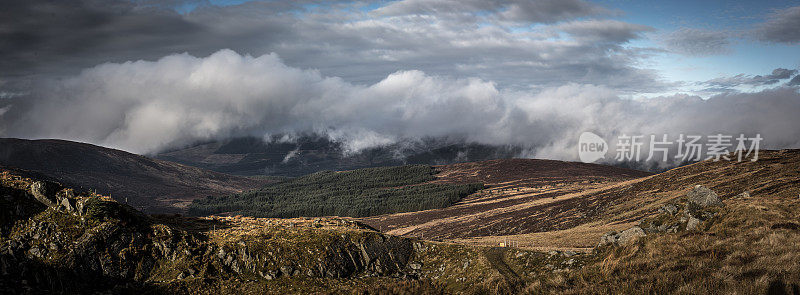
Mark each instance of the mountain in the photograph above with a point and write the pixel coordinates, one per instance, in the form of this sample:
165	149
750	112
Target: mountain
707	228
152	185
312	153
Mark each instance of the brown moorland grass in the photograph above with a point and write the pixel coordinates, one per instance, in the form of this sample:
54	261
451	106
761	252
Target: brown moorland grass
753	245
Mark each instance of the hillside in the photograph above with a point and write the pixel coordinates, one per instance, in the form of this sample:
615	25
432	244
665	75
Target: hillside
522	196
154	186
738	234
310	153
54	239
355	193
575	213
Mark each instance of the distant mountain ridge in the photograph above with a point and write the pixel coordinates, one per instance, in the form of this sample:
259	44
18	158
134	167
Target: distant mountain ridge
312	153
151	185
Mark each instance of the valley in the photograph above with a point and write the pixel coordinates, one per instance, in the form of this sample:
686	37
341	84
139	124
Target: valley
534	226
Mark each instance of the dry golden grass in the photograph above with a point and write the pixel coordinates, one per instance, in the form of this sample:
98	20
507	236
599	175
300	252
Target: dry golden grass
753	246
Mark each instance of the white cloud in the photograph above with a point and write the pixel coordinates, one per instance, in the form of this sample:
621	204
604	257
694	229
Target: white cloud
148	106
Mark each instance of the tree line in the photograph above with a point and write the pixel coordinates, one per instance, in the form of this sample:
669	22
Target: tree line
357	193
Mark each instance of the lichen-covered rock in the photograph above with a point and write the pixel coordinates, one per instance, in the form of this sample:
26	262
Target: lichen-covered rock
692	223
703	197
44	192
743	195
621	238
669	209
630	235
609	238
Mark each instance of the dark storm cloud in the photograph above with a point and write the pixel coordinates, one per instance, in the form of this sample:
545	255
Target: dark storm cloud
696	42
42	38
781	26
45	36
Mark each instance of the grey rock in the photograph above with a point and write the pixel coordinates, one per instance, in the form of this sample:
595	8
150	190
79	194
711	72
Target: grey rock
288	270
80	206
670	209
692	223
704	197
44	193
68	205
608	238
630	235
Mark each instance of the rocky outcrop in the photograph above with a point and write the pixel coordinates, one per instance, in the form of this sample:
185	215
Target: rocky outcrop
621	238
701	204
703	197
45	192
79	243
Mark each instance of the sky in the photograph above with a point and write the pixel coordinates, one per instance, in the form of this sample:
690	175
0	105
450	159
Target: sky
146	75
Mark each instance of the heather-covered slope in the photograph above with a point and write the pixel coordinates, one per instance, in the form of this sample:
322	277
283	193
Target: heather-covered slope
55	239
151	185
522	196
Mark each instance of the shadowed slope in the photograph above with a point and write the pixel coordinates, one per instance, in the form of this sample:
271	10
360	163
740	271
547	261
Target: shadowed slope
154	186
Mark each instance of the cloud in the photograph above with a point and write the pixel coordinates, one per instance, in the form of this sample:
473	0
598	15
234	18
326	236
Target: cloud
696	42
148	106
540	11
748	80
42	36
794	82
780	27
550	11
604	30
443	38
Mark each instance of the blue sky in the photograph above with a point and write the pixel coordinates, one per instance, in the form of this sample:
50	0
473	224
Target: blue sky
746	56
743	55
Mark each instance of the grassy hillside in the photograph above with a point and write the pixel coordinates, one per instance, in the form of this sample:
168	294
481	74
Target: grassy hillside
149	185
357	193
55	239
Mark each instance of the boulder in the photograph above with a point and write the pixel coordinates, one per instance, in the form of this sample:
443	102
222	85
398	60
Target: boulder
692	223
630	235
609	238
670	209
68	205
743	195
45	193
704	197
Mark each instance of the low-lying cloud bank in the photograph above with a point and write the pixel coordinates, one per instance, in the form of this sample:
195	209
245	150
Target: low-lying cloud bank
145	107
